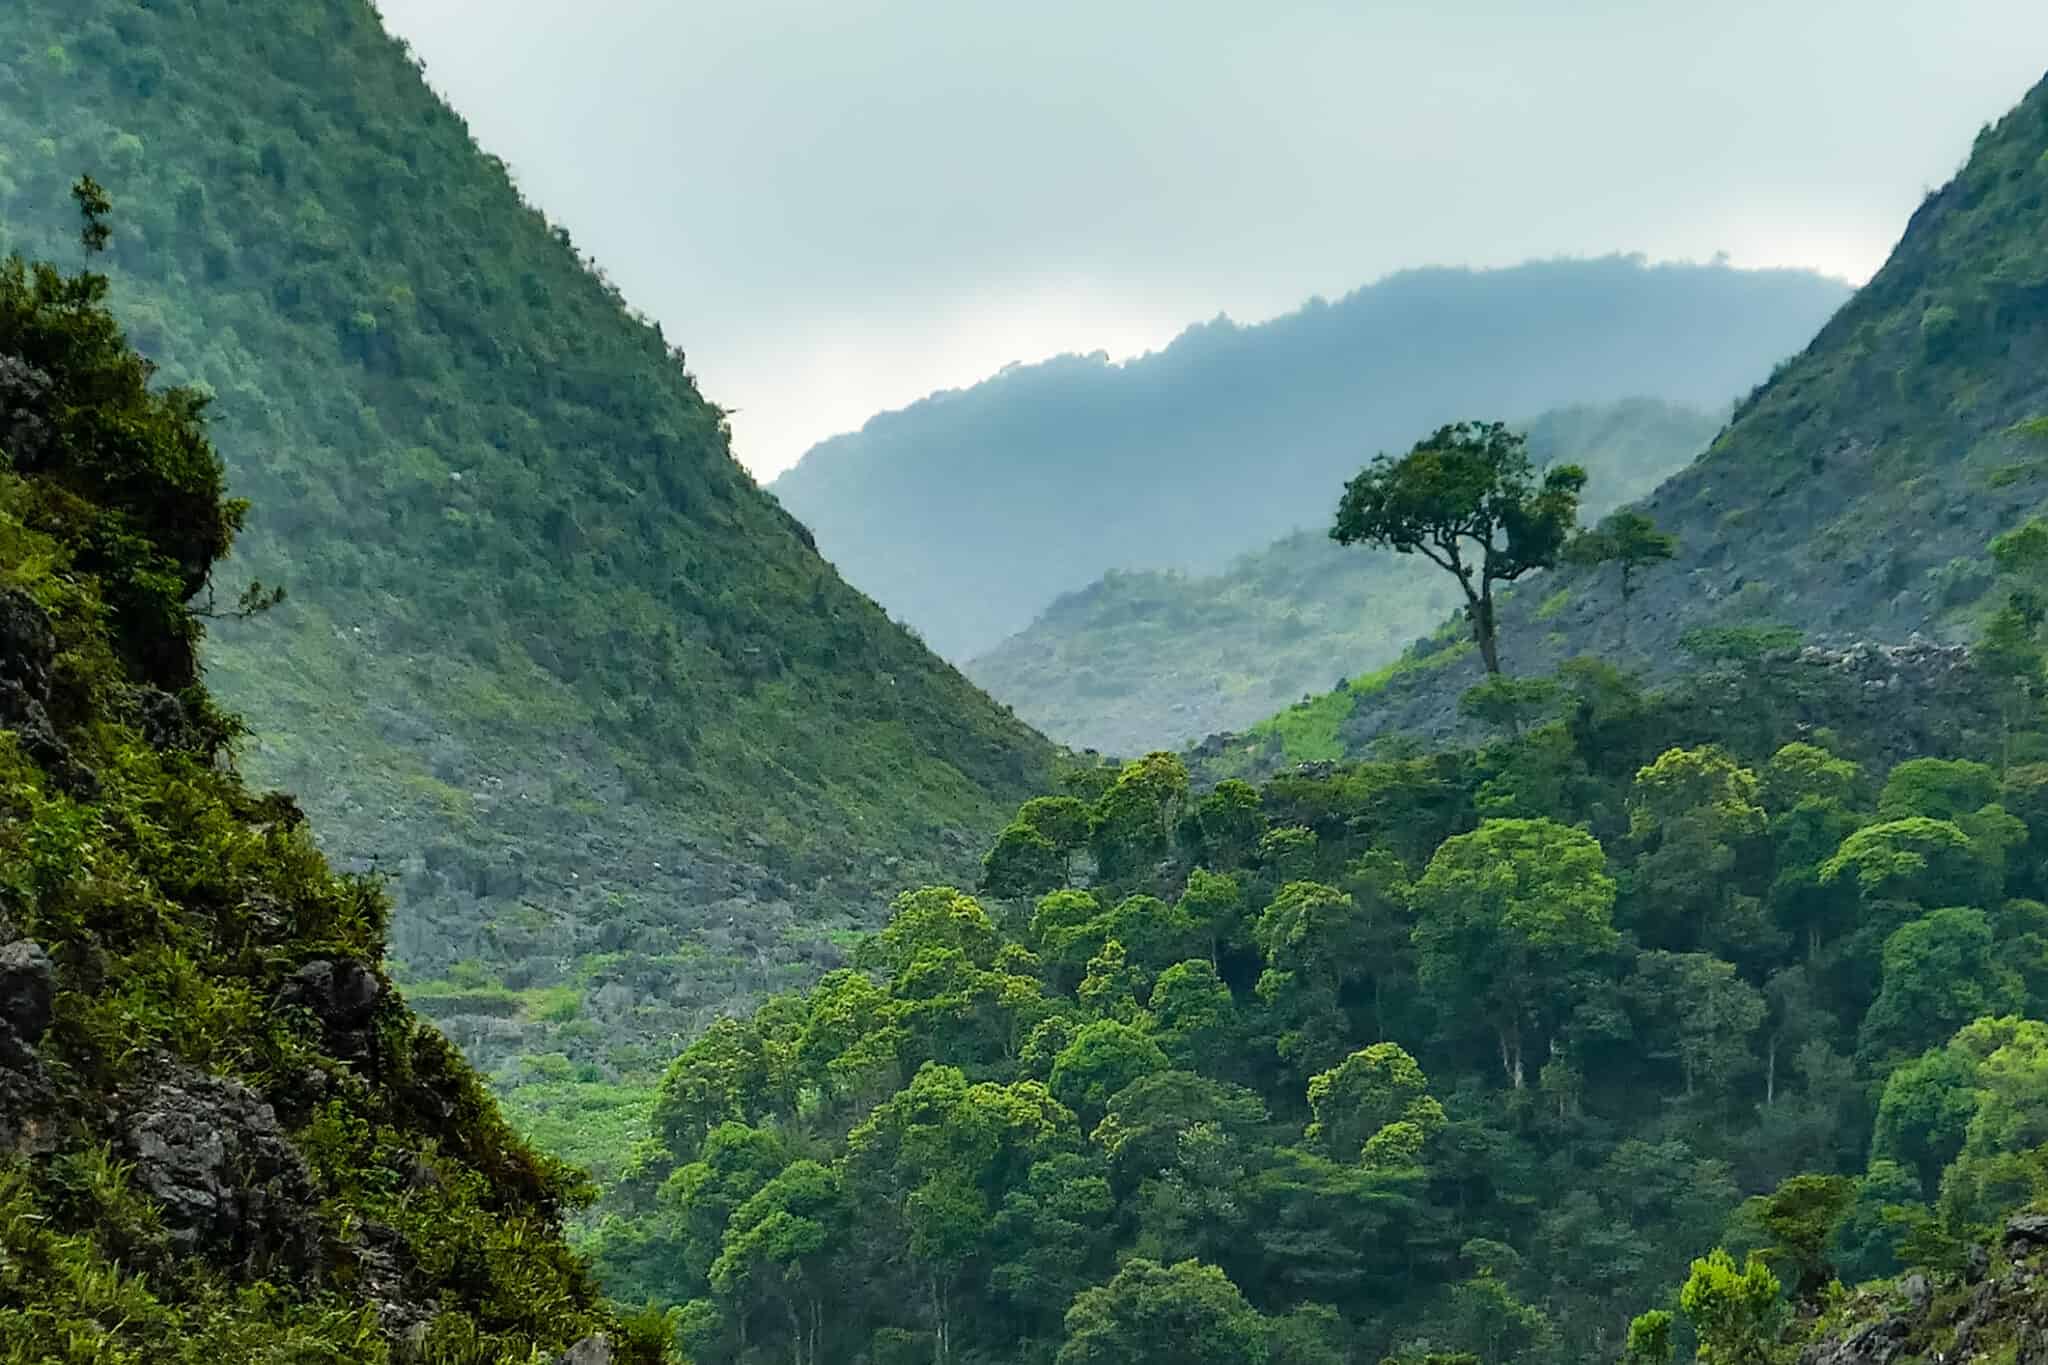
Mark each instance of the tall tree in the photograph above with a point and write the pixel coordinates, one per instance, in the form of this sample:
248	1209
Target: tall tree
1467	499
1187	1314
1504	914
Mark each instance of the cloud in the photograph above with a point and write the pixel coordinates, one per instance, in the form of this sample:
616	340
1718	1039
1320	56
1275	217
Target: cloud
838	207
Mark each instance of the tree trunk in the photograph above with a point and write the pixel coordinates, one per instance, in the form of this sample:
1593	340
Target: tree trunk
1511	1053
1483	632
941	1348
1771	1072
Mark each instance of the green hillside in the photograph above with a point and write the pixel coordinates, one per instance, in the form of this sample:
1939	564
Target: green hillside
1855	493
223	1135
627	747
1038	481
1150	660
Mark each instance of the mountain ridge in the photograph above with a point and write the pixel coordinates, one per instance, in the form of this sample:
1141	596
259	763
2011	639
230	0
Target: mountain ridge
1854	494
1142	660
1075	466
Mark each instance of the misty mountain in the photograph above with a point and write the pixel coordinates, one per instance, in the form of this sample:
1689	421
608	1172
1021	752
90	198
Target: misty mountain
1853	496
967	513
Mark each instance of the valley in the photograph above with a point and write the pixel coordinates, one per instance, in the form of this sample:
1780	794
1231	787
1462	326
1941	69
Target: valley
1498	820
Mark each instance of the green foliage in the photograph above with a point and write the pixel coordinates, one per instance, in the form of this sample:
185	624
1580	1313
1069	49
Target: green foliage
1186	1314
1633	1006
175	906
1504	914
1468	500
1649	1339
1733	1312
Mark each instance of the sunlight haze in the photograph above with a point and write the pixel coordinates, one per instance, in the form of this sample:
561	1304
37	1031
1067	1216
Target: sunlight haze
837	209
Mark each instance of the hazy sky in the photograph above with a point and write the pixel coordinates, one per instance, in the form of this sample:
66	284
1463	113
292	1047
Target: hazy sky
837	206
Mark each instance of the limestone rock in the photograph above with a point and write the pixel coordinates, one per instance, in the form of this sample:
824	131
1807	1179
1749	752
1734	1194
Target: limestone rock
28	989
343	996
232	1187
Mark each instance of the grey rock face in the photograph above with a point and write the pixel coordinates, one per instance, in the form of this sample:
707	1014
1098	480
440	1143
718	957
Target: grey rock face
27	648
592	1350
1878	1343
28	990
343	996
231	1186
2026	1232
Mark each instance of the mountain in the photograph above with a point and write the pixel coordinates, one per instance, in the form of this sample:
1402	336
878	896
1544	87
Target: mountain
1852	495
1697	1016
969	512
223	1134
1154	660
627	748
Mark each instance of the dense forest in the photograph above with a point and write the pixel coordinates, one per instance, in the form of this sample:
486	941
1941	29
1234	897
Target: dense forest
1148	660
549	660
223	1135
968	513
1464	1052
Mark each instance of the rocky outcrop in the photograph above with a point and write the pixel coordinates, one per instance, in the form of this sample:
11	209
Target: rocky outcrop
1995	1309
28	646
343	996
592	1350
28	987
28	990
229	1184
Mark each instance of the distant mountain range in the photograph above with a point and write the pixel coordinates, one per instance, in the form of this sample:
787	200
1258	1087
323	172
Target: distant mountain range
968	513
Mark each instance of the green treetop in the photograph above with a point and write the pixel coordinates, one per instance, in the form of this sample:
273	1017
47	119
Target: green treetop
1467	499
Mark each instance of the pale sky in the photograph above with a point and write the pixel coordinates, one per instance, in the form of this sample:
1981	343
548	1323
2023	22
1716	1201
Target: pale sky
836	208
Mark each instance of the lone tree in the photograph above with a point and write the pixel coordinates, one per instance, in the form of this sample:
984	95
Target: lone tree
1629	539
1467	499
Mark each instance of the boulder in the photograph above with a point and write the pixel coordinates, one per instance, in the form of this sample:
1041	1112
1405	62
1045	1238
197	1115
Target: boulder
592	1350
28	990
27	647
2026	1232
1876	1343
343	996
231	1186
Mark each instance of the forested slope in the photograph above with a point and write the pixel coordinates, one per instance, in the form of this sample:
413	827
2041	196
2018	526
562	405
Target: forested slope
223	1135
1148	660
549	658
969	512
1647	1026
1466	1052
